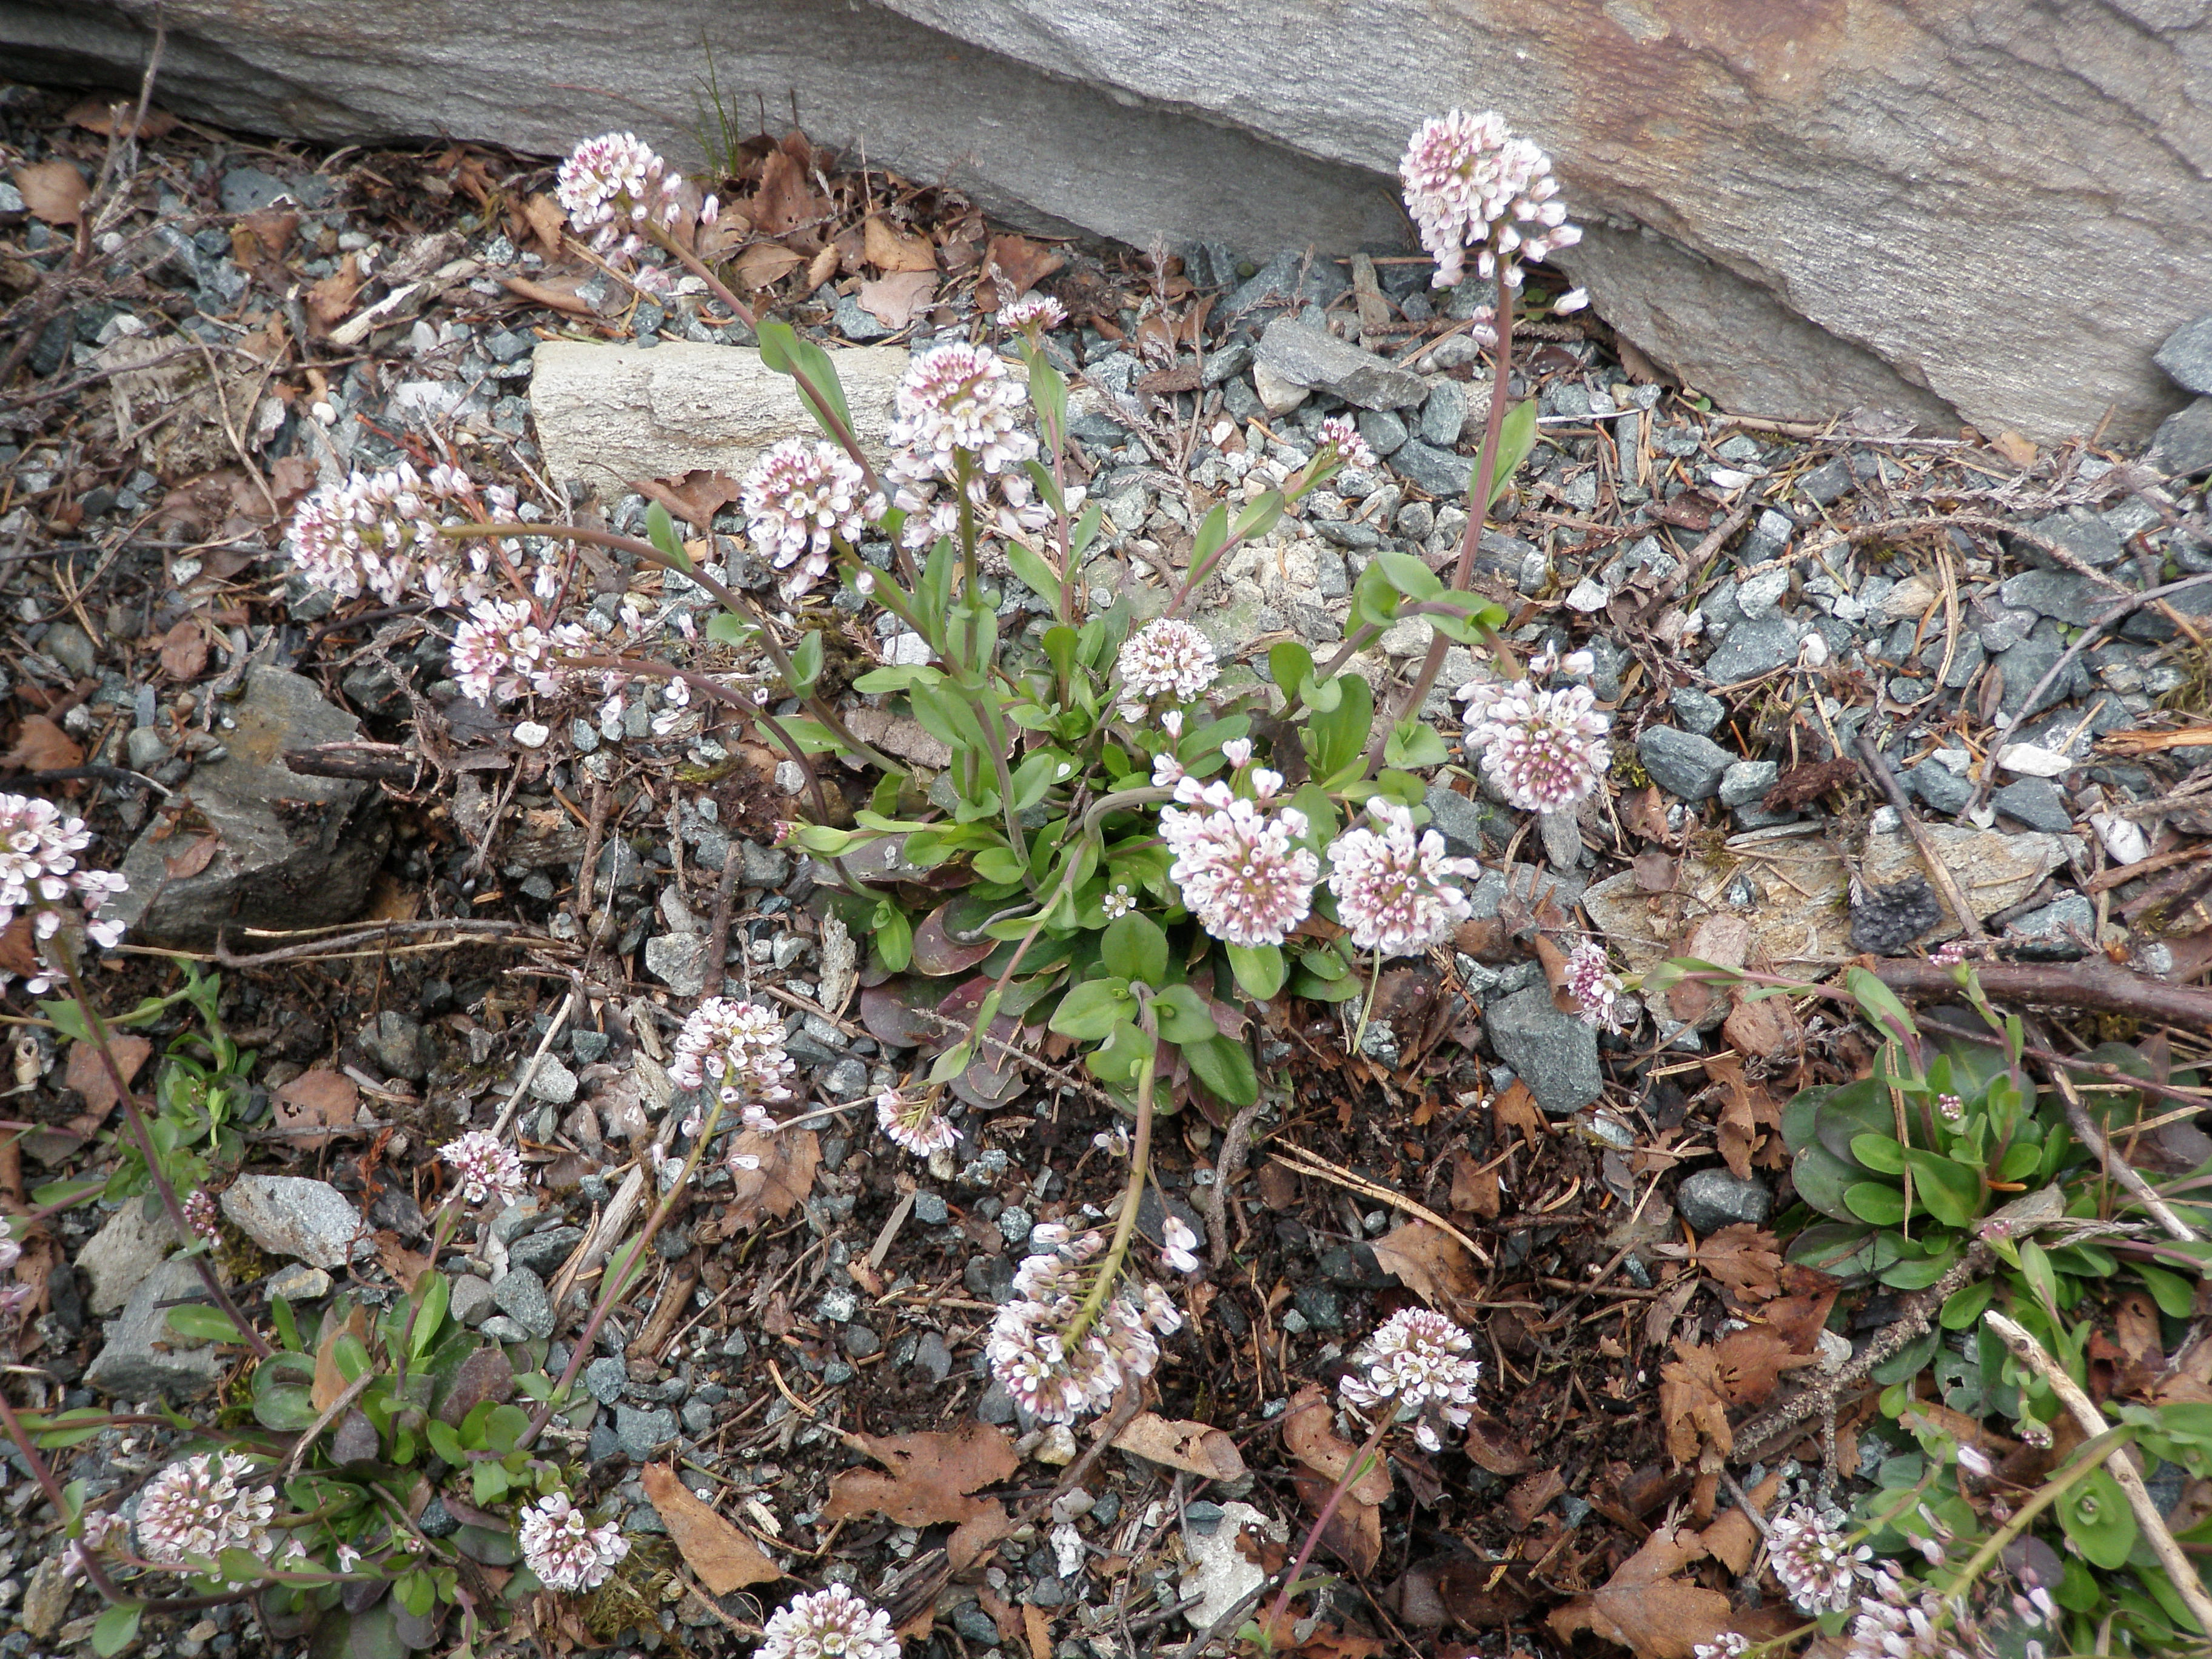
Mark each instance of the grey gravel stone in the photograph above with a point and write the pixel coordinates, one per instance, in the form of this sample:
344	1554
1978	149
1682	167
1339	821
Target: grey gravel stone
145	749
310	1221
1746	782
698	1416
129	1246
1700	711
2186	357
2062	931
931	1210
996	1405
763	866
1682	763
861	1341
1384	431
1444	415
544	1252
1556	1054
143	1357
933	1357
640	1431
1712	1199
552	1082
1752	647
2080	532
976	1625
1312	357
2183	448
1441	473
605	1379
470	1300
678	961
2037	803
1944	790
521	1296
2066	594
399	1045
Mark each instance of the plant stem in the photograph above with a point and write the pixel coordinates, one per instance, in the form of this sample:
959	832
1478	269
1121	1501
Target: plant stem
102	1045
1367	1007
1478	511
1352	1471
47	1484
1140	1153
2087	1459
611	1291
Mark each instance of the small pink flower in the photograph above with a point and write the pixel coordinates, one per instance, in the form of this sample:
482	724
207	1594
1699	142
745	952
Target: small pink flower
1033	314
485	1168
1338	429
1544	750
914	1122
800	500
832	1623
1236	867
1393	888
1471	184
562	1547
1591	983
1163	659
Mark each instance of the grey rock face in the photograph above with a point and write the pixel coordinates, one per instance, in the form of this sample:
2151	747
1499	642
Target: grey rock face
2064	930
1554	1053
295	851
2183	448
400	1044
310	1221
1443	474
1312	357
2186	357
640	1431
2082	533
1710	1200
1944	790
1682	763
552	1082
470	1302
129	1246
131	1366
1752	647
2066	594
678	961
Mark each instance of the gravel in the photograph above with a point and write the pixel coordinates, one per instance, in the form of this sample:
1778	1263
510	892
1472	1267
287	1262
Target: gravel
522	1298
1682	763
1555	1054
1712	1199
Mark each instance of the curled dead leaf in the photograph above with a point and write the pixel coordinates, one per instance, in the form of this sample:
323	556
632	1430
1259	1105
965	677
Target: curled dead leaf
784	1177
315	1102
54	191
88	1075
1310	1434
890	250
1198	1447
933	1477
723	1557
43	747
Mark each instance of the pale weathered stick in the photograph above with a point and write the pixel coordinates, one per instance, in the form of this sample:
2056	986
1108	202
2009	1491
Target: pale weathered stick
2092	1422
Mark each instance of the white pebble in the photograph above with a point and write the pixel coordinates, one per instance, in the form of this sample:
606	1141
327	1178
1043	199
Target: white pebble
531	735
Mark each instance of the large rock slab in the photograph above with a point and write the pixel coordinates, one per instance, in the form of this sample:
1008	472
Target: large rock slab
292	851
129	1246
612	415
1795	211
143	1357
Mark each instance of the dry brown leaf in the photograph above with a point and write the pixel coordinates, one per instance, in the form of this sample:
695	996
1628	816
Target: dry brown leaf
1656	871
1733	1539
1644	1607
1765	1026
1517	1109
1490	1443
1643	812
784	202
697	496
88	1075
1430	1262
330	298
193	858
2020	451
786	1175
1531	1496
1198	1447
896	301
1691	1410
315	1102
887	250
1310	1434
547	219
1474	1189
1748	1364
406	1266
976	1535
724	1557
112	115
53	191
765	263
560	294
43	747
1019	263
1738	1132
1747	1259
185	651
1354	1533
932	1476
1037	1623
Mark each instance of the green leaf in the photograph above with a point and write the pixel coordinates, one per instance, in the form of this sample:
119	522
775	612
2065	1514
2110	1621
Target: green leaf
1183	1016
2035	1267
1947	1190
200	1324
660	531
1259	519
1093	1008
1212	533
1879	1153
783	352
894	941
2175	1297
65	1194
1001	864
1305	982
1036	573
1289	662
1335	739
1878	1002
65	1016
1321	695
1964	1306
415	1591
445	1442
1260	969
2098	1521
1415	743
1870	1201
1118	1058
1085	530
1516	436
807	663
1224	1067
116	1630
1409	575
432	1296
288	1327
488	1482
1134	948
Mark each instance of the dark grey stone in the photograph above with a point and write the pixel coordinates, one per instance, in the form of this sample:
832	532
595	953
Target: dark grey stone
975	1624
2080	532
1746	782
1944	790
996	1405
436	1521
1827	482
933	1357
1555	1054
1444	414
1384	431
2186	357
1682	763
544	1252
1443	474
1713	1198
855	323
698	1416
930	1209
2062	931
1886	920
602	1443
1321	1304
1456	819
500	1328
1305	355
249	189
2183	448
521	1296
763	866
605	1379
2026	663
2066	594
399	1045
1699	711
1752	647
640	1431
470	1300
132	1367
860	1341
2038	803
1204	1517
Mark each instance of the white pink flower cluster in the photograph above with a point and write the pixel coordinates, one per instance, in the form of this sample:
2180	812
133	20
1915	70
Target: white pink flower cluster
735	1048
1595	989
915	1121
1903	1621
1033	313
961	400
1415	1366
1393	888
201	1506
1543	749
105	1531
1813	1562
832	1623
200	1214
564	1549
1166	661
41	876
378	532
1027	1346
613	186
799	501
1353	449
1471	184
1236	865
485	1168
499	651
